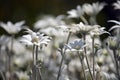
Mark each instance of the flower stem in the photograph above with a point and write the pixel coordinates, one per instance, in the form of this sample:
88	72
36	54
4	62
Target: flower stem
87	59
81	61
83	19
116	63
93	58
0	50
93	20
33	54
62	52
2	75
36	60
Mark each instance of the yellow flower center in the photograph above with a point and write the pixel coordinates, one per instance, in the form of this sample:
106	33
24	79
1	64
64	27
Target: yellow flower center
35	39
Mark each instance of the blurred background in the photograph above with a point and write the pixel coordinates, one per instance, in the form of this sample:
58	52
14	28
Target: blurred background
29	10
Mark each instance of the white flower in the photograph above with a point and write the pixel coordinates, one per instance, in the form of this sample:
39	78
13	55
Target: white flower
4	40
98	31
35	38
93	9
83	29
51	31
17	47
113	42
12	28
22	75
75	45
69	28
75	13
49	21
117	5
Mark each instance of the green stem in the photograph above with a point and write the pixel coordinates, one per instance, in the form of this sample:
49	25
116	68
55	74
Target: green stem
93	58
116	64
0	49
36	60
2	75
93	20
33	54
62	52
87	59
36	54
83	19
81	61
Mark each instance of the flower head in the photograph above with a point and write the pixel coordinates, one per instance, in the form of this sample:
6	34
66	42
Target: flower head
49	21
83	29
98	31
12	28
113	42
93	9
75	13
77	44
34	38
117	5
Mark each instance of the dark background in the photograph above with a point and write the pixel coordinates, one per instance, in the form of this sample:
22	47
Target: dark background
29	10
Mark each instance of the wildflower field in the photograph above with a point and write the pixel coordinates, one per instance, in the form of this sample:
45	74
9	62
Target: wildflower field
63	47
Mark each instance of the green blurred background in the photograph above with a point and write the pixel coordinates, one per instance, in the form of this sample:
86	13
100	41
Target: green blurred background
29	10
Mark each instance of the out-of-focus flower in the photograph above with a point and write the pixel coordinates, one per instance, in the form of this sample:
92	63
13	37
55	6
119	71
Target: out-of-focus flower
17	48
12	28
35	39
117	4
69	28
93	9
75	45
49	21
52	31
75	13
83	29
22	75
4	40
98	31
113	42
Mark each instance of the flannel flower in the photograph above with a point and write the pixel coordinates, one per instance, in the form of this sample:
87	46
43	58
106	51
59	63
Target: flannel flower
93	9
75	13
34	38
97	31
83	29
49	21
75	45
117	5
12	28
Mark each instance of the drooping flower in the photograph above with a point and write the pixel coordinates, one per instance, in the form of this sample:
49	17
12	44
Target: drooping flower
113	42
34	38
75	13
83	29
93	9
69	28
97	31
75	45
117	4
49	21
4	40
12	28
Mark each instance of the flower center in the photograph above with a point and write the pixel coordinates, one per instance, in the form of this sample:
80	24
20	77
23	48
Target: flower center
35	39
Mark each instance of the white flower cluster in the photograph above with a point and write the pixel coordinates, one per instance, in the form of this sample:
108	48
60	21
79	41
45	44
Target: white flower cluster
73	50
